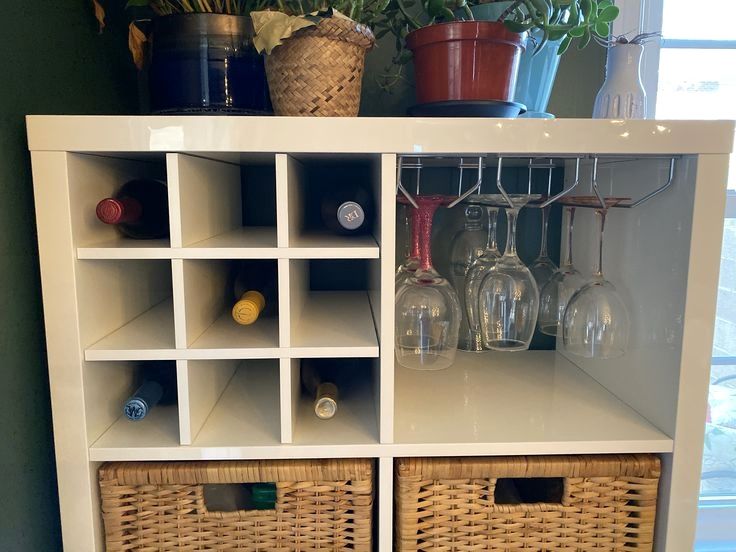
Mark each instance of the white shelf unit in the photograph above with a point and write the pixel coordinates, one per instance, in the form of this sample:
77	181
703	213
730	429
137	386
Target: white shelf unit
111	303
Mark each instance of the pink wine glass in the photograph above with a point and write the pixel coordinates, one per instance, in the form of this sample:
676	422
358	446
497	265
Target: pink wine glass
427	306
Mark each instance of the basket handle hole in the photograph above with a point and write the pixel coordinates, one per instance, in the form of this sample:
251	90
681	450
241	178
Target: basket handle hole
238	497
529	490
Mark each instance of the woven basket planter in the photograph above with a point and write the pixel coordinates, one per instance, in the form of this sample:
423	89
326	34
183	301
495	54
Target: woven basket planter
320	504
319	70
600	503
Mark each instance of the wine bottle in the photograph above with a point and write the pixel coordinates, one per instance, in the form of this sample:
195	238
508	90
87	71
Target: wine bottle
140	209
346	208
318	379
158	388
255	291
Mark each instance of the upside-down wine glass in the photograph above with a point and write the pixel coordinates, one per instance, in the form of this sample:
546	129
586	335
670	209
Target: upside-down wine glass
411	260
556	293
427	306
543	267
466	247
476	273
596	321
509	298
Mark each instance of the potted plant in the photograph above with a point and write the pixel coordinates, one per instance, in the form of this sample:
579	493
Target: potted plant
552	32
201	55
551	24
315	53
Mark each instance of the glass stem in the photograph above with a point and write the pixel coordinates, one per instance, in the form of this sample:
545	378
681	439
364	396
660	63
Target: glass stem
602	215
491	243
426	214
570	221
415	233
545	225
511	215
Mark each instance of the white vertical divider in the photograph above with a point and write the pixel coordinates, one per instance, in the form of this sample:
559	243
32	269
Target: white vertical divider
282	198
385	503
285	394
179	299
285	314
295	384
183	393
294	202
206	380
205	282
209	197
76	477
298	293
387	236
172	184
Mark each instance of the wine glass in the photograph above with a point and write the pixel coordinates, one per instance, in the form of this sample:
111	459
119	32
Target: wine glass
509	297
466	247
596	321
411	261
427	306
543	267
476	273
556	293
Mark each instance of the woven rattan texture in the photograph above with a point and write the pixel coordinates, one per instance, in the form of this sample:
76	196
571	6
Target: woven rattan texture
320	505
319	70
608	503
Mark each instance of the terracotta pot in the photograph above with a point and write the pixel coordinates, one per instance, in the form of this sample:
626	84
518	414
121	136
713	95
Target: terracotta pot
465	60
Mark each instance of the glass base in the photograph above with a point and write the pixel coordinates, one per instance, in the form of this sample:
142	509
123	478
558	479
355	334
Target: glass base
507	345
549	330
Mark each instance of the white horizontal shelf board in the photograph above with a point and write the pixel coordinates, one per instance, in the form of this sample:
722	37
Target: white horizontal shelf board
374	135
247	413
126	248
244	237
159	429
335	322
354	422
327	245
148	336
531	401
248	341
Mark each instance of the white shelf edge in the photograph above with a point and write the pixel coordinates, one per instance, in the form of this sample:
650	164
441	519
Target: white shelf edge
375	450
205	253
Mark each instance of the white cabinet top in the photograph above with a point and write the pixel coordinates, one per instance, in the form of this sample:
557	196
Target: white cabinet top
376	135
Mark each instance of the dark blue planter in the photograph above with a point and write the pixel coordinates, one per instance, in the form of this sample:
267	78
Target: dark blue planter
204	63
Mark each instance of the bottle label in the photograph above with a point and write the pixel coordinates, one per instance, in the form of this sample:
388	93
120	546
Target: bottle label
350	215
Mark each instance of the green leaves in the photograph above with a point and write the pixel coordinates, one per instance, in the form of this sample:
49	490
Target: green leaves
608	14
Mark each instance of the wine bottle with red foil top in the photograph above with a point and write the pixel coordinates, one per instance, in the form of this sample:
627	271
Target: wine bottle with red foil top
347	208
140	210
158	388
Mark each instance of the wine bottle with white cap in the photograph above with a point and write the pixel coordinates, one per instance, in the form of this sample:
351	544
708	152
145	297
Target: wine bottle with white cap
158	388
346	208
318	378
254	291
140	209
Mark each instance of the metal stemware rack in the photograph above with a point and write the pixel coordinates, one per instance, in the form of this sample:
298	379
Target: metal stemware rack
597	200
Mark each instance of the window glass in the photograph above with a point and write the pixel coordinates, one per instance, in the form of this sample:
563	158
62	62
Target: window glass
699	19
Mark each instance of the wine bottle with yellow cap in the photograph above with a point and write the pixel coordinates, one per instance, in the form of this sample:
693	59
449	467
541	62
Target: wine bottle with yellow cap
255	291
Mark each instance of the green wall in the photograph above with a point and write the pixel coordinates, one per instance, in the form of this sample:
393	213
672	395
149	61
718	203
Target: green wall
53	61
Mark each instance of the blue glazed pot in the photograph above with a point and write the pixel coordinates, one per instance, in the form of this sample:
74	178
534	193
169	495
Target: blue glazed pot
536	72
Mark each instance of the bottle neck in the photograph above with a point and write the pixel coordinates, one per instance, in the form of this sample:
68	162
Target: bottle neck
350	215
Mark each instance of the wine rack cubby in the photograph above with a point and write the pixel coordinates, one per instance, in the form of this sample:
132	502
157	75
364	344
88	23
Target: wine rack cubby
243	189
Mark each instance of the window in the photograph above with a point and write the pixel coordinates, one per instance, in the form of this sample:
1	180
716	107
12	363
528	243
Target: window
692	75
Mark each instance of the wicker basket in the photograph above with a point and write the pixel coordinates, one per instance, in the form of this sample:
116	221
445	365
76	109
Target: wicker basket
319	70
601	503
320	505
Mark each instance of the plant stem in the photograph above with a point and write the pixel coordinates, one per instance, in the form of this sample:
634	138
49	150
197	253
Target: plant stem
508	11
413	22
